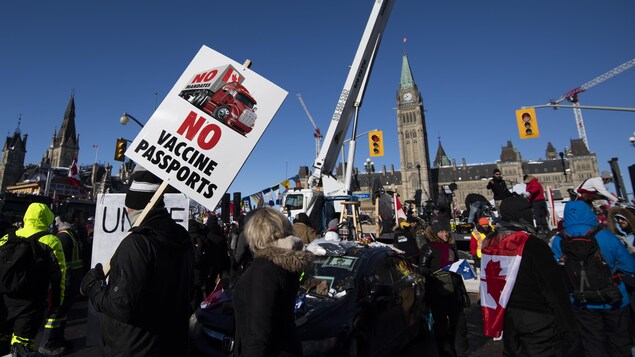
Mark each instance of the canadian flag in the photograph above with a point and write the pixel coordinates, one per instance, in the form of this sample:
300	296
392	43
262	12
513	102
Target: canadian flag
73	173
399	213
499	268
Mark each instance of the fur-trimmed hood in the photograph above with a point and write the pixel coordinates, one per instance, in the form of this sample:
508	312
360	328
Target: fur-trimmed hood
625	212
295	261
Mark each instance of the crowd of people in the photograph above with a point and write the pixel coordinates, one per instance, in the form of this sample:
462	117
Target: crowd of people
524	292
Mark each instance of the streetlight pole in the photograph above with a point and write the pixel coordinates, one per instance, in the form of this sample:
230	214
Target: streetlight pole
564	169
125	118
632	139
370	168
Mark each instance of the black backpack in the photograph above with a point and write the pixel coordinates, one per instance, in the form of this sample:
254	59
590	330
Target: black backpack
22	260
589	276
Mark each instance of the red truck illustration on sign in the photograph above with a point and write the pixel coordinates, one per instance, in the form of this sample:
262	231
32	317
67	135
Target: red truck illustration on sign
219	93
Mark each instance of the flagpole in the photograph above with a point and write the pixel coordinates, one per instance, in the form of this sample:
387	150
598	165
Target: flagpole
96	151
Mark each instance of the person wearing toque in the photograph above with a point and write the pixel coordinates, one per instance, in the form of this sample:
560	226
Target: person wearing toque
150	270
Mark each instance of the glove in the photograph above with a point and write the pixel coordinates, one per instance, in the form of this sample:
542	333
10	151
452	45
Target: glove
93	281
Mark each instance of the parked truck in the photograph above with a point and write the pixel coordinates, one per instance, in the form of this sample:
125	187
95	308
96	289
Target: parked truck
219	92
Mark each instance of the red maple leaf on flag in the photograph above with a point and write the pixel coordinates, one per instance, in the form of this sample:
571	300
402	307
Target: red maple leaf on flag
495	283
73	173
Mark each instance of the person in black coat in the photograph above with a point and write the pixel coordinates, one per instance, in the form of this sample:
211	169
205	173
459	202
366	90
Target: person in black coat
219	252
498	187
538	319
145	305
445	291
265	295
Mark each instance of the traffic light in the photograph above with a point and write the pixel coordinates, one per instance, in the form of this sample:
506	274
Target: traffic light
120	149
527	123
376	143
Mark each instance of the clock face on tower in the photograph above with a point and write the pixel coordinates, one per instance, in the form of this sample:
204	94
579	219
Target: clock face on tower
407	97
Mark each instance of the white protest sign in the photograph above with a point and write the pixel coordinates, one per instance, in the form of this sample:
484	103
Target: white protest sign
112	222
206	127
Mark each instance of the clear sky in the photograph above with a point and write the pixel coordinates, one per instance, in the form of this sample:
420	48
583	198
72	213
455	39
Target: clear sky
475	63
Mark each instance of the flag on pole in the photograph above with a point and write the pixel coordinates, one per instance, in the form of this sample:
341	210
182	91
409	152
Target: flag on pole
499	267
404	40
461	267
399	212
73	173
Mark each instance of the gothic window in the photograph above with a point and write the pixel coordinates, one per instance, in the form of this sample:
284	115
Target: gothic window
407	135
409	166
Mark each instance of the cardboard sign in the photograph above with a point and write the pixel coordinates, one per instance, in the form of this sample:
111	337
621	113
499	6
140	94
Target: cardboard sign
206	127
112	222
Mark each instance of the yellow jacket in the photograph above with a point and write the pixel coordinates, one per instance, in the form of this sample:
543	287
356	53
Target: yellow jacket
38	218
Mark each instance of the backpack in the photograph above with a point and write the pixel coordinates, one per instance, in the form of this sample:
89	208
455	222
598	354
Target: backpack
589	276
21	261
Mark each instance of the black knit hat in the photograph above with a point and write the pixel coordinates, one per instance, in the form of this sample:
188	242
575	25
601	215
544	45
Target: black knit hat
516	209
439	225
143	185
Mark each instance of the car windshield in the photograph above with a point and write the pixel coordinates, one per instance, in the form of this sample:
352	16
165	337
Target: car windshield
338	272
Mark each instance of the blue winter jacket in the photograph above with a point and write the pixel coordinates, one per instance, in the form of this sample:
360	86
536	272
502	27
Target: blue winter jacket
578	219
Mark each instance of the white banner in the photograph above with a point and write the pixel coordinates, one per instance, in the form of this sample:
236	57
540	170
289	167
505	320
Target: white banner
206	127
112	222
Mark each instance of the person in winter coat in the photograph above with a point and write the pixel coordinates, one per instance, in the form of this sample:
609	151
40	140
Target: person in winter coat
498	187
405	240
202	260
145	304
242	256
218	252
621	221
52	342
517	268
476	203
21	313
594	189
303	229
604	327
265	295
445	291
536	196
481	231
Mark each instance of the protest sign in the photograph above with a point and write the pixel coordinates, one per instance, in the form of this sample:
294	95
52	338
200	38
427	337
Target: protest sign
112	222
206	127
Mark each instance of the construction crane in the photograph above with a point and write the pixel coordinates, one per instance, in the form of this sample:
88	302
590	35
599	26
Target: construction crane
317	134
572	95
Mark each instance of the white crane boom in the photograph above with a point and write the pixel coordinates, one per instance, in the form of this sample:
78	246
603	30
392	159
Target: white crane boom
353	91
317	134
572	95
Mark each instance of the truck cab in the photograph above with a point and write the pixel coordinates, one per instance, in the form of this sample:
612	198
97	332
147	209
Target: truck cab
234	106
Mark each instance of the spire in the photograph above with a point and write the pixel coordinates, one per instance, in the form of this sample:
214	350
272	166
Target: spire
17	130
442	158
67	131
407	81
551	153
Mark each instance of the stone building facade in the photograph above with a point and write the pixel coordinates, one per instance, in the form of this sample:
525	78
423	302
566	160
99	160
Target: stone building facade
559	171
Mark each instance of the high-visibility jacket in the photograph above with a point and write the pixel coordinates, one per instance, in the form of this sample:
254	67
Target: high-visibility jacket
476	243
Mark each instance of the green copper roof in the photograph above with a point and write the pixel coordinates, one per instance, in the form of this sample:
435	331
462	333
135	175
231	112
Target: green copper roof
406	74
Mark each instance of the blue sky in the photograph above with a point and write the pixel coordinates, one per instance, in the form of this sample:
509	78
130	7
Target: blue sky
475	62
